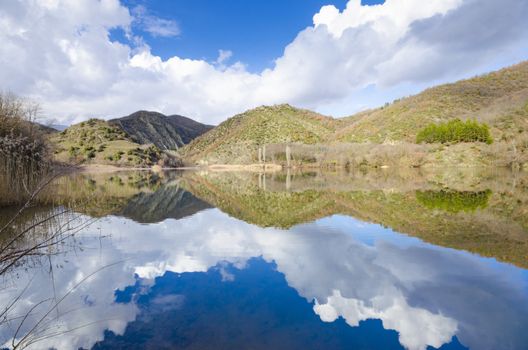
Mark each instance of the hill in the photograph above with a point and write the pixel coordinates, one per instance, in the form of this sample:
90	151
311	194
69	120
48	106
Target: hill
165	132
499	99
45	129
98	141
238	138
139	140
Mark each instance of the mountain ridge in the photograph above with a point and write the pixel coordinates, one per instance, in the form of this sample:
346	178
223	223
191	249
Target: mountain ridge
165	132
140	139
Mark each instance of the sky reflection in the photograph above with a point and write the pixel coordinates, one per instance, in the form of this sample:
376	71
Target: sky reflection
346	272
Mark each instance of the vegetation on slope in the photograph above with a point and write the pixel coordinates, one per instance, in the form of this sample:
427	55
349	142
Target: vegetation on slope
499	99
97	141
237	139
165	132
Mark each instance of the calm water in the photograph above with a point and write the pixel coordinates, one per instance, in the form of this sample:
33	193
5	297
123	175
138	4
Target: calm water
284	261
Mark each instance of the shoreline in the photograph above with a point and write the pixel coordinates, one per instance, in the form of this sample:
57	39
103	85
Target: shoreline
266	168
108	168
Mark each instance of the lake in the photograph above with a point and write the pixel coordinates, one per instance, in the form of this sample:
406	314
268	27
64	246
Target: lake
415	259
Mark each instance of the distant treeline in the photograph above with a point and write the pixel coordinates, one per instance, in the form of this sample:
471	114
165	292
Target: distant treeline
455	131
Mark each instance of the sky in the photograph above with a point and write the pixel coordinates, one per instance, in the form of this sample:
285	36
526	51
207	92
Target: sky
211	59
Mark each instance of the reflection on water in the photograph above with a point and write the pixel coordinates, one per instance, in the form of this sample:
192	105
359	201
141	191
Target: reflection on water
324	260
454	201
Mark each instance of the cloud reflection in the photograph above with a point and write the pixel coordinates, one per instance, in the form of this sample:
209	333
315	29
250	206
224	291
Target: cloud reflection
426	293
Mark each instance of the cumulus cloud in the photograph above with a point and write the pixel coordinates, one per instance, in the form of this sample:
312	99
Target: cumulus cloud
417	327
60	53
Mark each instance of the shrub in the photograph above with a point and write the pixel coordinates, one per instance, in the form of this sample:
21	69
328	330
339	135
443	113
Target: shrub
280	156
118	154
73	151
90	154
455	131
307	159
153	153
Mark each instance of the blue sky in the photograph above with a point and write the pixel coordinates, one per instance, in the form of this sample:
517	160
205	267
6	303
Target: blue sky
255	31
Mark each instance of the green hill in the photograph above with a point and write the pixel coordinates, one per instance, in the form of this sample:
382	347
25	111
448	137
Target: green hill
141	139
98	141
499	99
165	132
237	139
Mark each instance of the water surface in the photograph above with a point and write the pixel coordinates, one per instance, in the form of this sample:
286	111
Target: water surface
191	260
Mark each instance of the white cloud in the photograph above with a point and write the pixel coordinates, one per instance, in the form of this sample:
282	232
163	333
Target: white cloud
223	56
417	327
153	25
392	19
59	53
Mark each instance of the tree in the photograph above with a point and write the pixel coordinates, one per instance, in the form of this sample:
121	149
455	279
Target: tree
455	131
